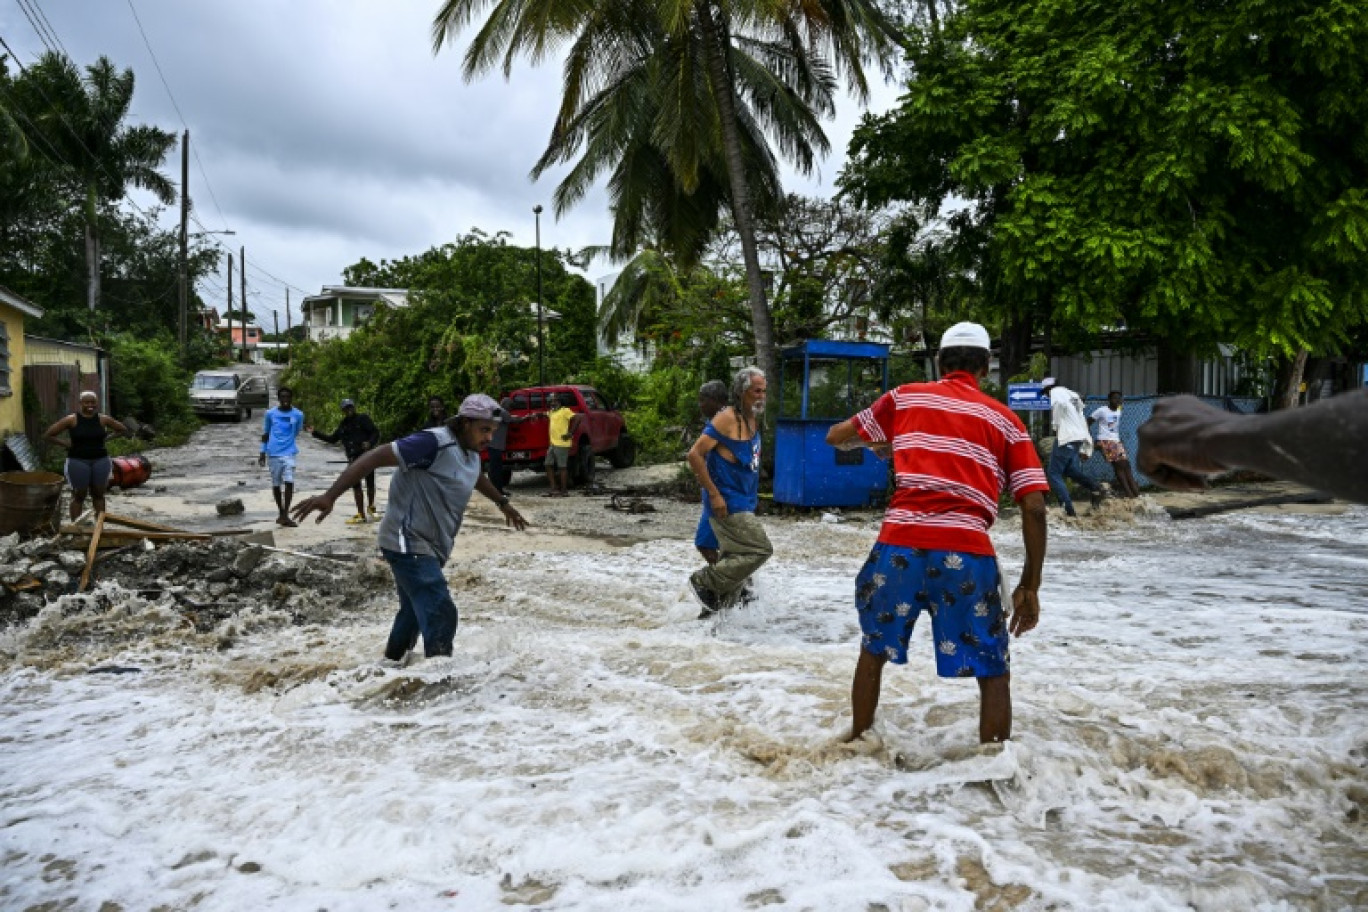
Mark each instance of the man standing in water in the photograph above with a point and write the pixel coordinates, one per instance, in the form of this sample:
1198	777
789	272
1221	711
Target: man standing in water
1072	444
438	469
954	449
1108	420
279	433
726	461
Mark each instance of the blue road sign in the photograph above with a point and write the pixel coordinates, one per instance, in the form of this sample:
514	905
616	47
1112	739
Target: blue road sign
1027	397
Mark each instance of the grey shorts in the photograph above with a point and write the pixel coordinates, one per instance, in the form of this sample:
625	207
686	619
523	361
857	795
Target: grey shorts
557	457
282	470
82	474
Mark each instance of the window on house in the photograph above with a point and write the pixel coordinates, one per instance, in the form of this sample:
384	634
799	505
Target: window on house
5	389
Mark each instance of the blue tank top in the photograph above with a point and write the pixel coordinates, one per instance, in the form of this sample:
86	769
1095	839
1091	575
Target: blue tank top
738	482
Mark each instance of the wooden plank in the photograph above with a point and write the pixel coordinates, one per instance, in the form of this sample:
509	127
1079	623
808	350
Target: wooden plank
1226	506
90	552
124	535
139	524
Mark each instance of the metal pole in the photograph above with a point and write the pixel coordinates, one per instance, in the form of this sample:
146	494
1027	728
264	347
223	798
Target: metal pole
242	277
183	323
541	345
230	306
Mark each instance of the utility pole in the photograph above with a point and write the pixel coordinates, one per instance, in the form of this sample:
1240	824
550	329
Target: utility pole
541	342
183	327
242	277
275	316
230	305
289	342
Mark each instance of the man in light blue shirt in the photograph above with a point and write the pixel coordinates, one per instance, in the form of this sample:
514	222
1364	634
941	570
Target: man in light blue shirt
279	431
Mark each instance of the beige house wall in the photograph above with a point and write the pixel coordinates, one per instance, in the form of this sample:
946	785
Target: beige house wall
12	401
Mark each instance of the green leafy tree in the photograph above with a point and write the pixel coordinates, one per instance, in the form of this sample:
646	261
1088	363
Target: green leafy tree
78	120
471	327
1197	173
678	98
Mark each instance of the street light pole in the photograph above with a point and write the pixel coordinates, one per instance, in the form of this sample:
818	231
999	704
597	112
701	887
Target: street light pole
541	345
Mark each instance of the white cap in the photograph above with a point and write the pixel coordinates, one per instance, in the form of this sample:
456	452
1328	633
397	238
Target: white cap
966	335
1047	383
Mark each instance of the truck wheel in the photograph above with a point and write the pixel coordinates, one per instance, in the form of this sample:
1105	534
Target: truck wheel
582	464
624	454
238	416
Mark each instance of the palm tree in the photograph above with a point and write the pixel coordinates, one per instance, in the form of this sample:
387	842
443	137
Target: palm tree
81	122
701	84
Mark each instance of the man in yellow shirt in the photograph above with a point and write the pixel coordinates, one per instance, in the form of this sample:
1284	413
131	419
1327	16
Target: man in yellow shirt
564	421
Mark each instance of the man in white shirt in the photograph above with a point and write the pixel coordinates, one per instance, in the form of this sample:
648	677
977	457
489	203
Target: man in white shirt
1073	443
1108	420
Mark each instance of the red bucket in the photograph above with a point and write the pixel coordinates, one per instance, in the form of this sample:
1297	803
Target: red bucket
130	471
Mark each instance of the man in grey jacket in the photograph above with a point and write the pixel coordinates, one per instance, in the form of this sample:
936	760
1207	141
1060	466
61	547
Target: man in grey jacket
436	472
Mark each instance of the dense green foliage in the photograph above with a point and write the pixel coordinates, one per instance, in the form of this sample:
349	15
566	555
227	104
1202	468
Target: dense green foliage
67	160
471	327
1195	172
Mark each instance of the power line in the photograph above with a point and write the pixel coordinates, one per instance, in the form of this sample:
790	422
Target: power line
37	20
194	150
46	21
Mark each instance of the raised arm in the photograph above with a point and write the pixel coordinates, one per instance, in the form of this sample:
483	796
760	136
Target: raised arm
1323	446
62	424
351	475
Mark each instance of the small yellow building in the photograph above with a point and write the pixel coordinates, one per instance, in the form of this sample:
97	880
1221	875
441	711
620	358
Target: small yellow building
13	311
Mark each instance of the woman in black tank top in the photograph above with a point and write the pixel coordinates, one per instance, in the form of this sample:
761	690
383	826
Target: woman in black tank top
87	464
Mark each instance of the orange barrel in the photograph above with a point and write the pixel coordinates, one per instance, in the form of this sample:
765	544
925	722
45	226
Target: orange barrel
130	471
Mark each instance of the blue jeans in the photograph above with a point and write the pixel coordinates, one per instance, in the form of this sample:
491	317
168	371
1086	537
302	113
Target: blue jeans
1064	463
425	606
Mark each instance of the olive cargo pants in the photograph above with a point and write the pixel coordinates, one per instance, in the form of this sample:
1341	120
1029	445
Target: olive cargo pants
744	546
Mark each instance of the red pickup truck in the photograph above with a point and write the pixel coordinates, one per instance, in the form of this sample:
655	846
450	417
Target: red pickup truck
600	432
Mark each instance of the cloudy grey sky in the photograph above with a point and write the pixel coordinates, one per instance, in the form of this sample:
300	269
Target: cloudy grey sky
326	130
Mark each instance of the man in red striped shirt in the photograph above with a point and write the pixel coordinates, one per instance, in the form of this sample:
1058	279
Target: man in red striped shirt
954	450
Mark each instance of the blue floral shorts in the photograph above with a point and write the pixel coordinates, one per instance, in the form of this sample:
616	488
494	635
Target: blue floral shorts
959	591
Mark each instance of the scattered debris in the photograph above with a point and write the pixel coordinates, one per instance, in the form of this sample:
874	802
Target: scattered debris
630	504
230	507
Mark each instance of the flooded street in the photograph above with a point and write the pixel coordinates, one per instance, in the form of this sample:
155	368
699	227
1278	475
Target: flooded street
1191	726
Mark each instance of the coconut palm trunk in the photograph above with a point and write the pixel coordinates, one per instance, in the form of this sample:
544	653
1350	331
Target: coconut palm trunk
92	246
716	41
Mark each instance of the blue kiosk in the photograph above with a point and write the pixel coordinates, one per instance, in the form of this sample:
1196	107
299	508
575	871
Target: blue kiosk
821	383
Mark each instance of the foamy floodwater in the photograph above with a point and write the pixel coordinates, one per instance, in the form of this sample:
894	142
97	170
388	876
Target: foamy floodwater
1190	734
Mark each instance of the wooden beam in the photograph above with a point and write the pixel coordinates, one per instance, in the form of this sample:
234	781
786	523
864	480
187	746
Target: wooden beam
90	552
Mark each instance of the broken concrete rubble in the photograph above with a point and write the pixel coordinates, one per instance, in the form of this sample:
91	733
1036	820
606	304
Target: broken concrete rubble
208	582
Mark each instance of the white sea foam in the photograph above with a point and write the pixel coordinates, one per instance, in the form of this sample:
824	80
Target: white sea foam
1190	733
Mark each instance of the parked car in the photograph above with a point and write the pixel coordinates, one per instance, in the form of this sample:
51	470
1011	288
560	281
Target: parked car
602	432
227	393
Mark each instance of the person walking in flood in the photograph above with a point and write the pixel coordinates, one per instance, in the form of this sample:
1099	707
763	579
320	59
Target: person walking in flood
1073	445
712	398
437	471
954	450
726	461
1107	420
357	433
279	447
87	464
